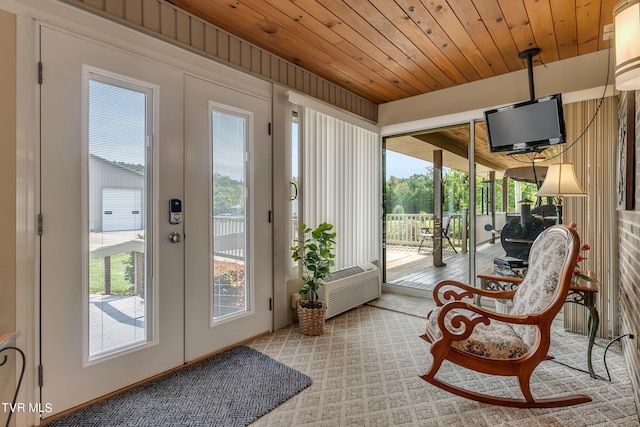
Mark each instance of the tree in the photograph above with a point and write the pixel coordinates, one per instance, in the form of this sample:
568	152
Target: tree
227	193
391	196
456	191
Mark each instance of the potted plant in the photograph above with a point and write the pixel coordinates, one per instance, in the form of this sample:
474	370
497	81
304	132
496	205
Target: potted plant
315	250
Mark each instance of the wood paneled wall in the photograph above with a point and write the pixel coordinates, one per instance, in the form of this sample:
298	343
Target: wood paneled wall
165	21
629	265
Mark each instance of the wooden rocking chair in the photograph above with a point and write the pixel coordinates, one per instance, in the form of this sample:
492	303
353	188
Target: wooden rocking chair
506	344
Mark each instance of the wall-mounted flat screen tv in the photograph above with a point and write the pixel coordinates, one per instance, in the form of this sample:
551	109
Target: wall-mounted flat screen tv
527	125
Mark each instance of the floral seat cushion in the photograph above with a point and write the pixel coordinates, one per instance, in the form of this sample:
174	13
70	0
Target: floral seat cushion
500	340
495	341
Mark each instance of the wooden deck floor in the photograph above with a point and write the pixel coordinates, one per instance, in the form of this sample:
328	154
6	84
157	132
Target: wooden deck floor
406	267
117	322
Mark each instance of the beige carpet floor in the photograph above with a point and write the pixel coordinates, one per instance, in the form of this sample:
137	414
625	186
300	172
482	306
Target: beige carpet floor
366	368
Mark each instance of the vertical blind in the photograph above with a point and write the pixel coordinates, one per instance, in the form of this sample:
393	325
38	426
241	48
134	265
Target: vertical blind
340	181
594	157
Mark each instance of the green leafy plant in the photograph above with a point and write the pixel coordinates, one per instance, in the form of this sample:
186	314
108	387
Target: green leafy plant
315	250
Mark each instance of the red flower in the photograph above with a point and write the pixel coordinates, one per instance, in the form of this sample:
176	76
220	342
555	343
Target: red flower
577	273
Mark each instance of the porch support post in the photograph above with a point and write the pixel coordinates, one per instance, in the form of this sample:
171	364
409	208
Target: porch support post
138	262
107	275
492	202
437	209
505	195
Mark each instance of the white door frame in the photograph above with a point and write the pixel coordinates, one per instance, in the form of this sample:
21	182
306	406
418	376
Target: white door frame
55	13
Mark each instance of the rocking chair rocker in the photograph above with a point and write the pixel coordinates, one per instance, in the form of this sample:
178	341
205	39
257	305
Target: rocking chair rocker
511	344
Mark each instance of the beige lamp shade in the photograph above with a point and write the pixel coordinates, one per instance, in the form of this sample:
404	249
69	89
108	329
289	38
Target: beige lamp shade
626	18
561	180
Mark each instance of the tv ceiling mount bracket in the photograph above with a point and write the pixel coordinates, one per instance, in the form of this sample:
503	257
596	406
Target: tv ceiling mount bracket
528	55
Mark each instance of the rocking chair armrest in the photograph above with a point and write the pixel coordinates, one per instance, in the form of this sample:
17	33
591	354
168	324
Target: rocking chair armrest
496	278
464	291
480	315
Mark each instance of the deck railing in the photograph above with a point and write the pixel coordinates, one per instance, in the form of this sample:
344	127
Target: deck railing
405	229
401	229
228	236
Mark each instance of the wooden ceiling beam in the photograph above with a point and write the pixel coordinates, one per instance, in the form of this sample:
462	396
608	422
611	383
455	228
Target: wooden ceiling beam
459	148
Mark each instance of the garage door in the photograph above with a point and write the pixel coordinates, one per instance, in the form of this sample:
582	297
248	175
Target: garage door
121	209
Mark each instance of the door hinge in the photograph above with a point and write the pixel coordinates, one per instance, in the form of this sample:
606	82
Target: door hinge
40	72
269	217
270	304
269	130
40	221
40	376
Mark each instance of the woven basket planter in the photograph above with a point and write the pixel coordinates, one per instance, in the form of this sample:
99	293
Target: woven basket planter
311	319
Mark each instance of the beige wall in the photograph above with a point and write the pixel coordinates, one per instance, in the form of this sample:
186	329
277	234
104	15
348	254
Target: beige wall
7	192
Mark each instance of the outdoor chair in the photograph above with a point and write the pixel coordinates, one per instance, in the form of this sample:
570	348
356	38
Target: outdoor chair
511	344
425	233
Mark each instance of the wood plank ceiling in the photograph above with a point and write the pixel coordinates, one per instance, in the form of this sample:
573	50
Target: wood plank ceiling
385	50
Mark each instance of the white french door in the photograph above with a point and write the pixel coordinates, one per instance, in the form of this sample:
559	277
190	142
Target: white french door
116	304
228	286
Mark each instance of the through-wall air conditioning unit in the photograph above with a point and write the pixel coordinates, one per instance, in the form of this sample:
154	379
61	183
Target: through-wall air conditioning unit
351	287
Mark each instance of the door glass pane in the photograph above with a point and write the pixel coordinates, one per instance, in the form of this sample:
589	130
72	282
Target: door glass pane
295	190
229	133
117	188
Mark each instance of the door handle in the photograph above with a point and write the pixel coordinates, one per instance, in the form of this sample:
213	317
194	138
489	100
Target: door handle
175	237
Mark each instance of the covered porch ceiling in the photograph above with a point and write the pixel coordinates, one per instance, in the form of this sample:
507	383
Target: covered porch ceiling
454	143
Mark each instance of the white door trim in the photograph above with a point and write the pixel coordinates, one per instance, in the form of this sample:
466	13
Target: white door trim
63	16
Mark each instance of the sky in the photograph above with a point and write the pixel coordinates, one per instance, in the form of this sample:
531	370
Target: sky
117	130
402	166
117	123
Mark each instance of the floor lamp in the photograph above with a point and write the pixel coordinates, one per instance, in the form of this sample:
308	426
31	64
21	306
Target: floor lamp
560	182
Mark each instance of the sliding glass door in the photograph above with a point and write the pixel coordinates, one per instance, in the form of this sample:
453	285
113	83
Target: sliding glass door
426	201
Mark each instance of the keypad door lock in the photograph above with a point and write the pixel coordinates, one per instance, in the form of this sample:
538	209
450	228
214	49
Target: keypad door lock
175	211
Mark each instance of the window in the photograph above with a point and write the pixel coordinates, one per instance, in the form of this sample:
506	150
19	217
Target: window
229	213
119	296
